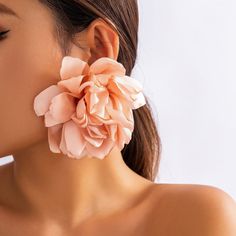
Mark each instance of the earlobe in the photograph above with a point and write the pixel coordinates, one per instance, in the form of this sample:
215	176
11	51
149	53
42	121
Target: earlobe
102	40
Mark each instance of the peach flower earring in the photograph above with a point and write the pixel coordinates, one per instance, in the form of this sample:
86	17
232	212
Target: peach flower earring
89	110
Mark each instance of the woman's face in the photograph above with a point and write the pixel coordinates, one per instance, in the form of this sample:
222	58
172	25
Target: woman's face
30	60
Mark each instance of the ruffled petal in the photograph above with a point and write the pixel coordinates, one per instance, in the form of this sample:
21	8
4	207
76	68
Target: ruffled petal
119	117
54	138
139	100
97	102
71	84
81	115
117	102
128	88
42	100
106	65
123	136
61	109
131	84
62	145
92	102
112	129
120	91
72	67
75	142
96	132
103	79
94	121
96	142
86	84
82	122
127	134
120	104
102	151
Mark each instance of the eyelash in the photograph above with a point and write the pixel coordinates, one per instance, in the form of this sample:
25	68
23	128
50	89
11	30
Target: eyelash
3	34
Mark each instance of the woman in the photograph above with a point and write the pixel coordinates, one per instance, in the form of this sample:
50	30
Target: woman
45	192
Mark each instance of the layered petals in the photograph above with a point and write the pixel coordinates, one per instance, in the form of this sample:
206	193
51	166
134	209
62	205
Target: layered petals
72	84
90	110
43	100
54	137
74	140
61	109
72	66
106	65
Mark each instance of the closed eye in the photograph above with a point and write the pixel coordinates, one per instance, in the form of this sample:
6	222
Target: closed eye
3	34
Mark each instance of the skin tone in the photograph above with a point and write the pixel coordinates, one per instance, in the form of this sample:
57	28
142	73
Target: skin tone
44	185
43	193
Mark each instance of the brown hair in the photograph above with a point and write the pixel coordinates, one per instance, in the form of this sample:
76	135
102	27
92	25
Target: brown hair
142	153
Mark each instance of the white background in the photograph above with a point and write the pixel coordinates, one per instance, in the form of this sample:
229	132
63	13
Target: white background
186	63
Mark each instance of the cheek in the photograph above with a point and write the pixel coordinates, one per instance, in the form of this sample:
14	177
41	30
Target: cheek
26	68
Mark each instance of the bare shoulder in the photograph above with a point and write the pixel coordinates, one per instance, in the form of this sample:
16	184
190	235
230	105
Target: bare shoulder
192	209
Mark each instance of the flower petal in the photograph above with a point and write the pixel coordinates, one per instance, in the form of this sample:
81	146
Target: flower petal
123	136
71	84
72	67
112	129
42	100
97	102
54	138
127	134
96	142
102	151
61	109
86	84
75	142
94	121
62	145
106	65
96	132
139	100
120	91
81	115
103	79
82	121
119	117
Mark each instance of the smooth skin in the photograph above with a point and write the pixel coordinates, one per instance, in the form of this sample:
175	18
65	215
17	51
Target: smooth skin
47	194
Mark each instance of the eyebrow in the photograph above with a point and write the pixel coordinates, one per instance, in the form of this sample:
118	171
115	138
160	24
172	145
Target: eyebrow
6	10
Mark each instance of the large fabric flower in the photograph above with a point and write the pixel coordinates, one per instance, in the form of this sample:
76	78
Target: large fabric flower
90	109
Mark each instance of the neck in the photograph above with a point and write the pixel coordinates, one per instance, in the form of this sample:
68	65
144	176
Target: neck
56	186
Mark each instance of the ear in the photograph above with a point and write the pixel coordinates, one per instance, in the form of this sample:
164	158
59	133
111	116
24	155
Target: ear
102	40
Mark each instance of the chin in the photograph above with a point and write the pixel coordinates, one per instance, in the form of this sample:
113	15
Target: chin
4	154
5	150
